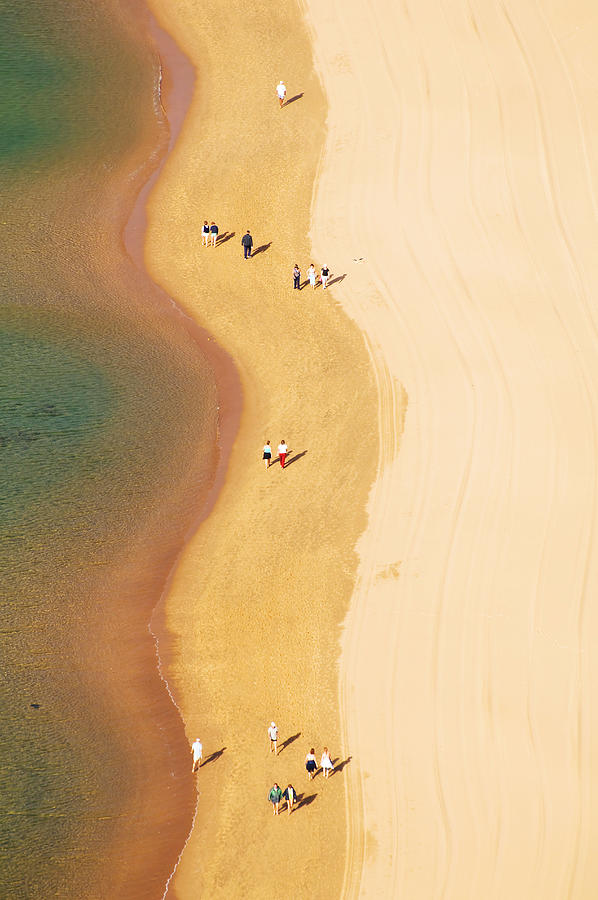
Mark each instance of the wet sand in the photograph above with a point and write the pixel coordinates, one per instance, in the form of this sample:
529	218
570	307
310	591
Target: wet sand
256	604
111	796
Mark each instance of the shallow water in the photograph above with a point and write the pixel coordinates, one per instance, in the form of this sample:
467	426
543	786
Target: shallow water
107	435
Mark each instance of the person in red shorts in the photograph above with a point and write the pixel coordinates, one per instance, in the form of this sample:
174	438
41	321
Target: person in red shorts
282	452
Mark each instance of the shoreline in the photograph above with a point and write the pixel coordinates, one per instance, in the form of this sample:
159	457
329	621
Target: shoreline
230	588
177	79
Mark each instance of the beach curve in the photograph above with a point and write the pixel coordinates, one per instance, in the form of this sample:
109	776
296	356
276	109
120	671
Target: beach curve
256	602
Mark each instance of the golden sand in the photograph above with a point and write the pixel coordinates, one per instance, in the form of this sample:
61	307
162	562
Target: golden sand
258	599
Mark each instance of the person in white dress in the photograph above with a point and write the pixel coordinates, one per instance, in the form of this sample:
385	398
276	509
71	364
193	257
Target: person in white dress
311	274
326	763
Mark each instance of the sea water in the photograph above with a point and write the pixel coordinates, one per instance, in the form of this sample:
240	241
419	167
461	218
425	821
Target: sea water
107	434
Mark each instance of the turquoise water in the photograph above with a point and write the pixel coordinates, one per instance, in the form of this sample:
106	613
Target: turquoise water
107	430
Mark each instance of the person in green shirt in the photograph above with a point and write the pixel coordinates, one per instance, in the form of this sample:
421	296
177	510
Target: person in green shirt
274	797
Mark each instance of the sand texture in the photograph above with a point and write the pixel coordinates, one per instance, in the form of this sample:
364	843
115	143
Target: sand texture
458	193
257	602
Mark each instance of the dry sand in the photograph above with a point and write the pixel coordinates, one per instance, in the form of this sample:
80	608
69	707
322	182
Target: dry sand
456	194
257	602
461	164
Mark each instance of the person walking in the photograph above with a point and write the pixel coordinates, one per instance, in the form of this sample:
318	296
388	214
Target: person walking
214	233
311	274
282	92
247	242
290	795
267	454
296	278
311	763
274	797
197	751
205	233
324	276
282	452
273	735
326	763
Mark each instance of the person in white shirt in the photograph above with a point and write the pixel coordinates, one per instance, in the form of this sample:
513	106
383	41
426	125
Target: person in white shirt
282	452
282	92
197	751
273	735
311	274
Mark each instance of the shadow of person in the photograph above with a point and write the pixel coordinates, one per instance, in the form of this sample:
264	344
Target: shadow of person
289	740
339	766
294	458
304	284
292	99
305	801
336	279
224	237
261	249
213	757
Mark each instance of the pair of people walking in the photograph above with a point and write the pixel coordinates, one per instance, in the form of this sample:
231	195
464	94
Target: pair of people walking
276	795
209	234
311	763
282	453
312	276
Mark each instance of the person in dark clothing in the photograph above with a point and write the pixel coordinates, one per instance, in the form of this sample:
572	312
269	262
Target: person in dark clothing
297	278
247	242
290	795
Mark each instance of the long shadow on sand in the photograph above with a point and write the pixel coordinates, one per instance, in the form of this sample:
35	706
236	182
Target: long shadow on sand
292	100
213	757
305	801
261	249
293	459
338	767
288	741
336	280
224	237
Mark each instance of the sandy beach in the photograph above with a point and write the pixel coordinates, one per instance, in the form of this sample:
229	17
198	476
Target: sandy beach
256	605
450	427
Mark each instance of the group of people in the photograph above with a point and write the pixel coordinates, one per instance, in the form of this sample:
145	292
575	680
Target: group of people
312	276
209	234
311	763
289	794
276	795
282	453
